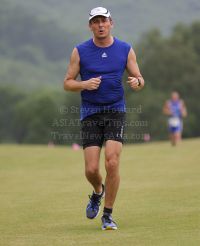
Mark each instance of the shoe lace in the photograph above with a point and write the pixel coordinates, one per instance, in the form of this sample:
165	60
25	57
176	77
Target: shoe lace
108	220
94	201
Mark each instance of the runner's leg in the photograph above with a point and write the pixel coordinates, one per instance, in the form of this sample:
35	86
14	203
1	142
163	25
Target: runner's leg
172	138
92	166
112	156
177	138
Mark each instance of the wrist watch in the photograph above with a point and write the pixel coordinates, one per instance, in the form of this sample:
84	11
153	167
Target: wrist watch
139	82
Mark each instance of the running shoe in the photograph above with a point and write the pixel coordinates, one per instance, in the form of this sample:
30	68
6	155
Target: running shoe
108	223
93	207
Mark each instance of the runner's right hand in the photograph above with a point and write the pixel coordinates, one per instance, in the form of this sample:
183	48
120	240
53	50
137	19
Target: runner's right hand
92	84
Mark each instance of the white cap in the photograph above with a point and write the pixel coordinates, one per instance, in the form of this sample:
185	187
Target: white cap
99	11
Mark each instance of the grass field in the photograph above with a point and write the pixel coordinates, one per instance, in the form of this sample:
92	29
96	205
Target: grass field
43	195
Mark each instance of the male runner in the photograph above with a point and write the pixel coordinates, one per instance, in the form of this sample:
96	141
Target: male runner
101	62
175	109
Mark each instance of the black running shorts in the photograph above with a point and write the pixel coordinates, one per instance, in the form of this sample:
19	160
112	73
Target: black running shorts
103	126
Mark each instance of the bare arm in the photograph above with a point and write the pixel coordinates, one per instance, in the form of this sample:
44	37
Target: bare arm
134	72
166	109
70	83
183	109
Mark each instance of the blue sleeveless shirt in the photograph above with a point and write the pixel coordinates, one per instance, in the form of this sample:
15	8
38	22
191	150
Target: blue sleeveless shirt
176	108
109	63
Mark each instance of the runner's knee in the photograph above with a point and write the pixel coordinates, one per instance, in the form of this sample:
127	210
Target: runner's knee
91	171
112	165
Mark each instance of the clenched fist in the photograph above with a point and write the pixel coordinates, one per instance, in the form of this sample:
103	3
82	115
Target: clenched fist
92	84
133	82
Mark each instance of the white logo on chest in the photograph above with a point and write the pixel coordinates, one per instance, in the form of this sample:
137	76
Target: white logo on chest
104	55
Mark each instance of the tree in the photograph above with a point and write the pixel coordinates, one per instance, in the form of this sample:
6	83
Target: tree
8	99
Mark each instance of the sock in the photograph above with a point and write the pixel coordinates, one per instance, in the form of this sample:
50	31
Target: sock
107	211
97	193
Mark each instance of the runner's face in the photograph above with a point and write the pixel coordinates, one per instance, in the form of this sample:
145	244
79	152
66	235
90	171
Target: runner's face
101	26
174	96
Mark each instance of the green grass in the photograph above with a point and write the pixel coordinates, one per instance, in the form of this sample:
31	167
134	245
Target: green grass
43	195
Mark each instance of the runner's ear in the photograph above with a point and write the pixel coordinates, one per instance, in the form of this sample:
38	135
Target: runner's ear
90	26
112	24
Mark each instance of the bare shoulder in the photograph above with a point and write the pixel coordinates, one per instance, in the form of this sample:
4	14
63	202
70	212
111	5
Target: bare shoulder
182	102
75	55
74	65
131	54
167	102
132	66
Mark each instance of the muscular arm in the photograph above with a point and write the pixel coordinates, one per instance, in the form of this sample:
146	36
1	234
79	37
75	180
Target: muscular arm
166	109
134	72
183	109
70	83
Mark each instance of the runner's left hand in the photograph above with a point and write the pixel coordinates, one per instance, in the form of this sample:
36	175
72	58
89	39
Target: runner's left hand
133	82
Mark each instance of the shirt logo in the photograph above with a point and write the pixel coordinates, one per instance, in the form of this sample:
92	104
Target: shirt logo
104	55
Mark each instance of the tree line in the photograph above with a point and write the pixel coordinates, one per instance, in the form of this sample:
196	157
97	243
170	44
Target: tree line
166	63
34	52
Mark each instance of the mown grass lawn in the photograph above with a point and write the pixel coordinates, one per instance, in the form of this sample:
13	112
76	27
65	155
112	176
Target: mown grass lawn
43	195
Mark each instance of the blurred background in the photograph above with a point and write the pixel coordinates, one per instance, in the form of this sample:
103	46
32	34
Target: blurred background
37	38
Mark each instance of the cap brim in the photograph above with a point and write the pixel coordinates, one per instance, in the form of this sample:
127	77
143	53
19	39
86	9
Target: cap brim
105	15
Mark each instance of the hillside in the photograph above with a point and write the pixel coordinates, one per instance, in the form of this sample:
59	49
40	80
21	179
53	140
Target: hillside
37	37
131	17
34	53
31	54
